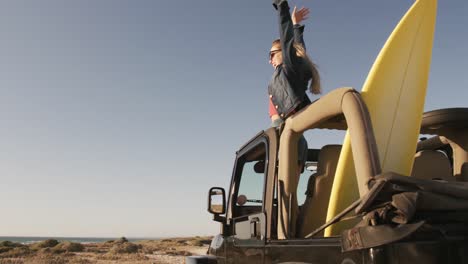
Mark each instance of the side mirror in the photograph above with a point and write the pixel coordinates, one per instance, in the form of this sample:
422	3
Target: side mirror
216	201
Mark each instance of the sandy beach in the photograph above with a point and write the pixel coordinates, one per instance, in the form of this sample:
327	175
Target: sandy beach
163	251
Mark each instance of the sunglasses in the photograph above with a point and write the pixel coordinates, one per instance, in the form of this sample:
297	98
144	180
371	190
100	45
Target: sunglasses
273	52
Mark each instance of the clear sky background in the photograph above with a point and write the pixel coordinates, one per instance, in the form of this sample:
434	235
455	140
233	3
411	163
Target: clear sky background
117	116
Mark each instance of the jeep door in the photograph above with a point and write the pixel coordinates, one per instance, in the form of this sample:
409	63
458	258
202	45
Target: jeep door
246	212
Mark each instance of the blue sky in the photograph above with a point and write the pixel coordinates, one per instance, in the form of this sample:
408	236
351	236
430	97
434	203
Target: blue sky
117	116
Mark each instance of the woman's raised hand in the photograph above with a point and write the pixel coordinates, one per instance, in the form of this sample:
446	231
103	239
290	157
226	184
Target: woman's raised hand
298	16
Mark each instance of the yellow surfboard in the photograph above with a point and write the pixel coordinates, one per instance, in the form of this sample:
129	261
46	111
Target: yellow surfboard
394	92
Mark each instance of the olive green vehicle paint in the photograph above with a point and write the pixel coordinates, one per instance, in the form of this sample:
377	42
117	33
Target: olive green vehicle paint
256	211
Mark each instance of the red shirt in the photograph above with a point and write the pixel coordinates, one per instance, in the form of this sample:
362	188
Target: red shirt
272	109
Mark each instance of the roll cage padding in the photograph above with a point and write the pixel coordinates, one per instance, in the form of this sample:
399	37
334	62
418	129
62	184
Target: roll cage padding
343	101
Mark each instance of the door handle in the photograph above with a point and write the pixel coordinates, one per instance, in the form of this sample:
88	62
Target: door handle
254	227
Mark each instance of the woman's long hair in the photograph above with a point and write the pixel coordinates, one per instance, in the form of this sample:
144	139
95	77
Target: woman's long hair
315	86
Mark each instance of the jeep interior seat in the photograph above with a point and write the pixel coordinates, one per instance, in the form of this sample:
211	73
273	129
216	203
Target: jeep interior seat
464	173
432	165
314	210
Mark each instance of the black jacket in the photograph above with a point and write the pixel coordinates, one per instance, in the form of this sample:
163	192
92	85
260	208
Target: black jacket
287	87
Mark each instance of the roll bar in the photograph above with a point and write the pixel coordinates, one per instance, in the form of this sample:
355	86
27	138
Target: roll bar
345	102
342	101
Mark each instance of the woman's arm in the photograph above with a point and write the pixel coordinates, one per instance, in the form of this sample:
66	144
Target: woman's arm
287	36
297	16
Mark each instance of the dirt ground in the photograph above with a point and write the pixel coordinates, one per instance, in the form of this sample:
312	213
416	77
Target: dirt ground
164	251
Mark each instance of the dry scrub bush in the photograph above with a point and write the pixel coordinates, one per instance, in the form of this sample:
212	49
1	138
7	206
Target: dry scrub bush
199	242
16	252
125	247
6	246
49	243
11	244
122	240
68	247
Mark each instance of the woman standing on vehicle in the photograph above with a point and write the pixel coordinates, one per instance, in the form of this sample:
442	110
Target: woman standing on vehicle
293	68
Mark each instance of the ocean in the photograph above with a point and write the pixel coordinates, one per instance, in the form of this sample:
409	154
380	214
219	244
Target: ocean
83	240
